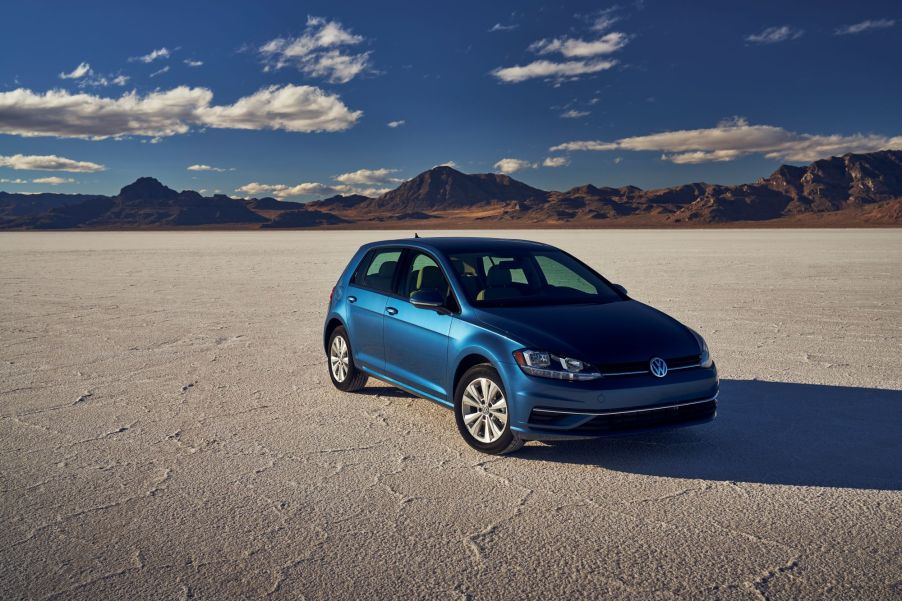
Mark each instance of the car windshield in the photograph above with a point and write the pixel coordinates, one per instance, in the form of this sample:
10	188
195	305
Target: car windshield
532	277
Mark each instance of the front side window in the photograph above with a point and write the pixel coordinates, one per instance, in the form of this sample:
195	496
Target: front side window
377	270
423	273
528	277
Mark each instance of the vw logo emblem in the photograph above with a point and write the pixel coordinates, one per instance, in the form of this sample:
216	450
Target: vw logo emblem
658	367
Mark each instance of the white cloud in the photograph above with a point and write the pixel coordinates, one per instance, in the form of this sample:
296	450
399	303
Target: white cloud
513	165
120	80
285	191
773	35
578	48
555	162
49	162
306	189
17	180
160	71
193	63
169	112
604	20
865	26
551	70
734	138
152	56
583	54
53	180
202	167
318	52
451	164
368	176
574	114
78	72
398	123
500	27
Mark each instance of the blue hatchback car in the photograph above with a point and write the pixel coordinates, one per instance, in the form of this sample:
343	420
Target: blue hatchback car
522	340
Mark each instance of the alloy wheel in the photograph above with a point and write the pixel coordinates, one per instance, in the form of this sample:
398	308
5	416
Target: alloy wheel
339	361
484	410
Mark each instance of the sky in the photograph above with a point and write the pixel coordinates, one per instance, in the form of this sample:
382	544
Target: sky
302	100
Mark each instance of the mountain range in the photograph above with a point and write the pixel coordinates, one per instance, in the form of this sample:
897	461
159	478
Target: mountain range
850	190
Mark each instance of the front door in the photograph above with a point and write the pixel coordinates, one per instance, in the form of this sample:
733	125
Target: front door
416	340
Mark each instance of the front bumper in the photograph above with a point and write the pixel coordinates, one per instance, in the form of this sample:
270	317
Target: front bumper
545	409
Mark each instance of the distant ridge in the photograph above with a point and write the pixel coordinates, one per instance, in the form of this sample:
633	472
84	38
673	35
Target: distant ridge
850	190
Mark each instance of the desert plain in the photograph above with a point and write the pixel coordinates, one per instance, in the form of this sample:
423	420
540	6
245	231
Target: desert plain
168	430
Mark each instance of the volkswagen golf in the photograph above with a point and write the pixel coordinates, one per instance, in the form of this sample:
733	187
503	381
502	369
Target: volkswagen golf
520	339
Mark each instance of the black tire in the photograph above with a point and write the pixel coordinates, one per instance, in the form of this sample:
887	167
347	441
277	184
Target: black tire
508	441
354	379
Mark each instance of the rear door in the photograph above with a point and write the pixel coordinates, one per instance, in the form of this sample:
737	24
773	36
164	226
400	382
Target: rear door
416	340
367	295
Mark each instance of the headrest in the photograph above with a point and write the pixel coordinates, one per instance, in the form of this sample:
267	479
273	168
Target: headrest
430	277
499	276
387	269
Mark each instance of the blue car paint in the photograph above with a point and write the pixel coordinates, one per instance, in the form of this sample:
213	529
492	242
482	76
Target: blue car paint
422	350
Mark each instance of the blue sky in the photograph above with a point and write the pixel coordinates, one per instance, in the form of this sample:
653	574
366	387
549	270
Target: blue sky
294	99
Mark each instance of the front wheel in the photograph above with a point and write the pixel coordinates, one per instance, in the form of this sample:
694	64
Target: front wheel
342	371
482	413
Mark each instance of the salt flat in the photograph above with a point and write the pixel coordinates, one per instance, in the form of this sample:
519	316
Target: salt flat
168	430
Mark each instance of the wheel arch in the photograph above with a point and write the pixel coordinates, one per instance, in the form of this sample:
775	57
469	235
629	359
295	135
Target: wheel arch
333	323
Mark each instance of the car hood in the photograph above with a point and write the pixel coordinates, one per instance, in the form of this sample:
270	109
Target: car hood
612	333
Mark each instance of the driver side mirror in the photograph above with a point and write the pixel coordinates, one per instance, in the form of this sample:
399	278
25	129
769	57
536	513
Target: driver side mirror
620	289
428	299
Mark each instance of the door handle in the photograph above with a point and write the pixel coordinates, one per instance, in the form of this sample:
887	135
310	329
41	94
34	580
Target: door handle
391	310
352	299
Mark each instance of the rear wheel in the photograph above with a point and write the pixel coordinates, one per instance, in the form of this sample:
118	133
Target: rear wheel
481	412
342	371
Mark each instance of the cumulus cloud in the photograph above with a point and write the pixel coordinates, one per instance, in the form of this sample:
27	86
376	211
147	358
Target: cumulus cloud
169	112
734	138
574	114
398	123
202	167
48	162
773	35
319	52
865	26
578	48
152	56
368	176
78	72
193	63
306	189
286	191
555	162
551	70
53	180
513	165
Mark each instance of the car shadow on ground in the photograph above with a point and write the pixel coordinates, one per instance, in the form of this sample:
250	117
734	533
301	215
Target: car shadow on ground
765	432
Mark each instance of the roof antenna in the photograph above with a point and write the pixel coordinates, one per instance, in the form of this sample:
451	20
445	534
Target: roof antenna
416	235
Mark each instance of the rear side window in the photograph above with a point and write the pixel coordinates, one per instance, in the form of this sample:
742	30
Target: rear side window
377	270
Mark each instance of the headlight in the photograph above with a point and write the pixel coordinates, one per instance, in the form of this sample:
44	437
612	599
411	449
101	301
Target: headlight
547	365
705	359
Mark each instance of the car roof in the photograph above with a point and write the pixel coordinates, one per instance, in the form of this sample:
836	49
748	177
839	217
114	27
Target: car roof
460	244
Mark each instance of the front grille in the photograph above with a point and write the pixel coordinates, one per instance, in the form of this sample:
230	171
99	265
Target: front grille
641	367
656	418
